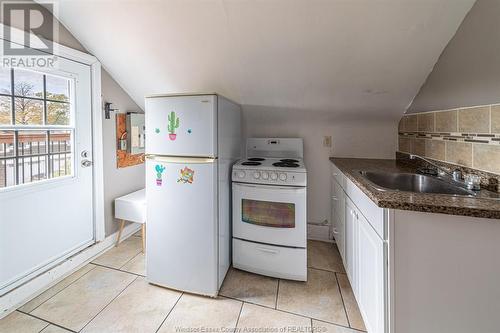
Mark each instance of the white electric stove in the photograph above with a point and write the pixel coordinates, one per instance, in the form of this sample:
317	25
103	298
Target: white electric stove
269	209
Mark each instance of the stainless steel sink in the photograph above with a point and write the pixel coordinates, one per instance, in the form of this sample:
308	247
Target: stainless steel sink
410	182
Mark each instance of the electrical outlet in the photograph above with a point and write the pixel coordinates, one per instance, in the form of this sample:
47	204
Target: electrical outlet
327	141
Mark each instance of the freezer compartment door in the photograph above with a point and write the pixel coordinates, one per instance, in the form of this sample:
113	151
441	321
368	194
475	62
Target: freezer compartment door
182	125
181	242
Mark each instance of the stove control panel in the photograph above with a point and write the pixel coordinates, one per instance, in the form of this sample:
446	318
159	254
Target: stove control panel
270	177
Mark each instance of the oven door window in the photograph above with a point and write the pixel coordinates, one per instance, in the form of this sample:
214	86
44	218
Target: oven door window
268	213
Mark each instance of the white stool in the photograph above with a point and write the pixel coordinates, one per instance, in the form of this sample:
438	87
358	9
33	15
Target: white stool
132	207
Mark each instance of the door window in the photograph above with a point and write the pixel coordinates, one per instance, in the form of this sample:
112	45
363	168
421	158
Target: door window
268	213
36	127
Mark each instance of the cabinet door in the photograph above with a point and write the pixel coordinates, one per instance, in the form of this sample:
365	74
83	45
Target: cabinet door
333	216
340	238
371	266
351	243
338	206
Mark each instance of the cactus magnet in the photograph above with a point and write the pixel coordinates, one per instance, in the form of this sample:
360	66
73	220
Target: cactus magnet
187	176
159	171
173	123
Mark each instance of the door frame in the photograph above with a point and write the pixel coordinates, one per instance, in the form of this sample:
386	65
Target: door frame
97	118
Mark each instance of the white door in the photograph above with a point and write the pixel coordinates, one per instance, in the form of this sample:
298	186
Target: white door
182	224
270	214
46	211
182	126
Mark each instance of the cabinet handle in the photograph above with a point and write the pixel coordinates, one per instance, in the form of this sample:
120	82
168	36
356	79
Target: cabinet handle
335	198
335	174
335	231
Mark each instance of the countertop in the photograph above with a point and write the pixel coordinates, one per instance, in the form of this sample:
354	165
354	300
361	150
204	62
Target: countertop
420	202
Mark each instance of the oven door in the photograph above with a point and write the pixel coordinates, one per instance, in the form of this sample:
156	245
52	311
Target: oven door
270	214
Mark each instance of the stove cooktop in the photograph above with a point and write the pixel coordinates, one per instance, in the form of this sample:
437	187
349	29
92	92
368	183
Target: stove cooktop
278	164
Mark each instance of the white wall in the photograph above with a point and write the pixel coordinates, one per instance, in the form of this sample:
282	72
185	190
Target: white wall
117	182
468	71
373	138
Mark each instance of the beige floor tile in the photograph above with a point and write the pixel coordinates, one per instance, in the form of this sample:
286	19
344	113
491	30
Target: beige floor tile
323	255
255	318
54	329
136	265
141	307
197	312
21	323
322	327
37	301
318	298
250	287
76	305
351	306
116	257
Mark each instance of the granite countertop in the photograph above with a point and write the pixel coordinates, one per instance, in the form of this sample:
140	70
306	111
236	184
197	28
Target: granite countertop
420	202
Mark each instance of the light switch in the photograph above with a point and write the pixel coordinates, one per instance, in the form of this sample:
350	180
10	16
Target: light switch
327	141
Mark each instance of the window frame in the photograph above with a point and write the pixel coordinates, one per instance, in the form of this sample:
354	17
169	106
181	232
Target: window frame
18	158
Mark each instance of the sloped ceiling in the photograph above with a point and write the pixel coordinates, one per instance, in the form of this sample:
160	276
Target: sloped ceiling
367	57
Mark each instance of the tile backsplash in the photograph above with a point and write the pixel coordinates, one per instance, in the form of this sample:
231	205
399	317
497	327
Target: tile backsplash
468	137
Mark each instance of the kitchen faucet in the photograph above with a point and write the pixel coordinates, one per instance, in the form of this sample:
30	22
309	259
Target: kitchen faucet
471	182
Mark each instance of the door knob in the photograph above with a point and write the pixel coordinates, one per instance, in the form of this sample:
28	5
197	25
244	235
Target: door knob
86	163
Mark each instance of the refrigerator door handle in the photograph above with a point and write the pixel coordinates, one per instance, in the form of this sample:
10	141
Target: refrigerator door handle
190	160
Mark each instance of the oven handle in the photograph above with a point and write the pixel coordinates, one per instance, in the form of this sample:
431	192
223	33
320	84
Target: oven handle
271	187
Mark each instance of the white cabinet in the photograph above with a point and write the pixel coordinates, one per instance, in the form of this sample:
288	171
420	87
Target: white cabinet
351	243
365	266
370	276
408	269
337	210
340	237
363	249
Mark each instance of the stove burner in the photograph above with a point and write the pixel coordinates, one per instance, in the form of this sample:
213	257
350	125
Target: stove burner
251	163
289	160
286	165
256	159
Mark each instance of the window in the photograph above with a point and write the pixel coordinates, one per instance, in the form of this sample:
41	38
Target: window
36	127
268	213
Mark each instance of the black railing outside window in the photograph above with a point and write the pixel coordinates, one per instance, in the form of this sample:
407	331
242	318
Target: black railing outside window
35	127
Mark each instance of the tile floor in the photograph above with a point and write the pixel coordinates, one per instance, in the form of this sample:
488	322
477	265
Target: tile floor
111	295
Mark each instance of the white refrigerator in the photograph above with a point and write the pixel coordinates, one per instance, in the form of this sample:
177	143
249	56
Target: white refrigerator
192	142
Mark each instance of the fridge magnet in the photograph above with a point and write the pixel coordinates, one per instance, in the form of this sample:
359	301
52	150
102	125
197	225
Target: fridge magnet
173	123
187	176
157	130
159	171
189	131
